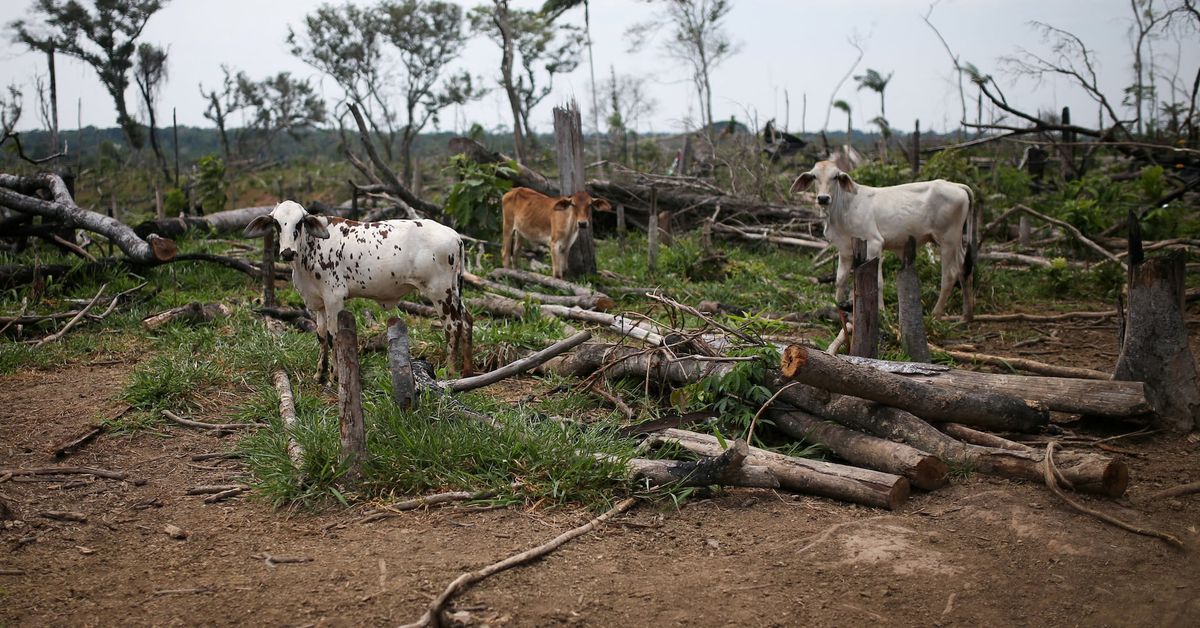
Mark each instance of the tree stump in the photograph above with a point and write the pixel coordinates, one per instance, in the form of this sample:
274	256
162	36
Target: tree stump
865	341
1155	348
268	268
568	137
353	433
404	388
912	316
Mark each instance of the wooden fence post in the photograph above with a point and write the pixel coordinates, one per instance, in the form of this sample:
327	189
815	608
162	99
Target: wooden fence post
912	321
404	389
268	268
652	233
916	150
865	341
568	137
353	433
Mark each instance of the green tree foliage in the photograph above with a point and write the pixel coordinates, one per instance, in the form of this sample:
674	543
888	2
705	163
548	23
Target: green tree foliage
280	104
474	201
210	184
534	49
150	72
103	35
877	83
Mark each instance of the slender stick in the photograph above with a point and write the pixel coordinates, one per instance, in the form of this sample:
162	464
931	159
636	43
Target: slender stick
431	616
519	366
71	323
208	426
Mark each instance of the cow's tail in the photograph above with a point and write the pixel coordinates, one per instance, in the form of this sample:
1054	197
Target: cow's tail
970	237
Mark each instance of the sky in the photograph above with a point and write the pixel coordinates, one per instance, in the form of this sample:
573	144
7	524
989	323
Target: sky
791	54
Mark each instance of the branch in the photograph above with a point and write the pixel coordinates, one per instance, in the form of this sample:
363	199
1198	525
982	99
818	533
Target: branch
389	177
16	138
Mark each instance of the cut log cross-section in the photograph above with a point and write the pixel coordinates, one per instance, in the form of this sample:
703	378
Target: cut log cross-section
988	410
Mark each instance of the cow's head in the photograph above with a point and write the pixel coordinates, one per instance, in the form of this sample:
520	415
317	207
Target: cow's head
830	180
289	218
581	205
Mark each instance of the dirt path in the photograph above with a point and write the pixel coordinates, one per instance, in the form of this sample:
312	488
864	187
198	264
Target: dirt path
981	552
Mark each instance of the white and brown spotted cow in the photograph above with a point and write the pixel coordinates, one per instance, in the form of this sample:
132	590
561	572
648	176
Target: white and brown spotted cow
334	259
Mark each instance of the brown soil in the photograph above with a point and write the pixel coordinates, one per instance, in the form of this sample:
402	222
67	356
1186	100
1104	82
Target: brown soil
983	551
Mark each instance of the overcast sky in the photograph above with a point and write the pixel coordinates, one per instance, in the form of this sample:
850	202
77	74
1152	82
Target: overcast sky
793	47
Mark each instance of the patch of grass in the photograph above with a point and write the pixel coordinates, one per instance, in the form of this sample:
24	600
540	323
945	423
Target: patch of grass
169	380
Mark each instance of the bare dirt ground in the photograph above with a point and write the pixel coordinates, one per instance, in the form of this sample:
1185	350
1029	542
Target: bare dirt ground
983	551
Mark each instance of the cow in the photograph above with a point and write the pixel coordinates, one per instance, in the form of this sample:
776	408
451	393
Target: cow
936	211
552	221
334	259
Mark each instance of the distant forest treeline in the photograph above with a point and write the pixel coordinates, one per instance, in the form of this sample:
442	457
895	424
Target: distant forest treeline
91	145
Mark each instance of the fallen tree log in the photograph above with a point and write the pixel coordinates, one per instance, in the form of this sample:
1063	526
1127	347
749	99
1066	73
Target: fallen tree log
1085	471
925	471
591	302
192	313
1060	394
994	410
525	276
1033	366
731	231
635	195
814	477
1038	318
518	366
229	221
63	209
726	469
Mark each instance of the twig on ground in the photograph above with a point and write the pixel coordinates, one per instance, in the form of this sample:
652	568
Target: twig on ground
391	510
217	488
1175	491
432	616
282	560
62	332
223	427
100	473
1050	472
74	444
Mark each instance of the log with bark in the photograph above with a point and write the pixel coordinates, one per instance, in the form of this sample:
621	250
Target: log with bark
591	301
1086	471
192	314
353	451
1060	394
729	468
911	313
518	366
682	204
815	477
756	236
548	281
228	221
992	410
1033	366
925	471
16	193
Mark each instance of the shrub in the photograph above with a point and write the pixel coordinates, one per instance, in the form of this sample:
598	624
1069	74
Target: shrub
474	201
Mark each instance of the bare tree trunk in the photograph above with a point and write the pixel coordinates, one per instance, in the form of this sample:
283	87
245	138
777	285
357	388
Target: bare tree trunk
568	136
912	322
501	18
53	100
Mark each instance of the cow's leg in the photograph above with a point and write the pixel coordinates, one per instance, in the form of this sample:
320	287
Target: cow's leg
952	264
875	250
841	290
331	315
456	323
558	257
318	314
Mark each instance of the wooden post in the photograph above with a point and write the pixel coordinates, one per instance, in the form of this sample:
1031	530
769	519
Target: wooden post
268	268
353	433
404	388
865	340
621	221
685	156
158	201
916	150
1024	230
279	188
568	137
1068	151
175	142
664	228
652	233
353	200
912	316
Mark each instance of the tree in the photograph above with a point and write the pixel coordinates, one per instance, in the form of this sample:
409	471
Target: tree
554	9
541	49
347	44
845	106
149	72
875	82
280	104
44	43
222	103
628	102
696	38
10	110
429	36
104	37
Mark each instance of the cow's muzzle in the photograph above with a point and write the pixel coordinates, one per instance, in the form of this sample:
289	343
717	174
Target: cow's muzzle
287	255
823	200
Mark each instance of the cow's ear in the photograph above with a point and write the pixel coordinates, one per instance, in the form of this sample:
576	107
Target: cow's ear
562	204
313	225
847	183
601	205
260	226
802	182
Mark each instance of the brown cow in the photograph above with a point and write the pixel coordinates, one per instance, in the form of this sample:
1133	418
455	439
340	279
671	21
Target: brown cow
545	220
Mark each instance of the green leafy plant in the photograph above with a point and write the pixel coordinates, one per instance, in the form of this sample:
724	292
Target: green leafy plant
210	185
474	201
880	174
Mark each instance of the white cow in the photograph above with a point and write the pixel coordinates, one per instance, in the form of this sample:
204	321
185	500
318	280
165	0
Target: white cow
930	211
334	259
